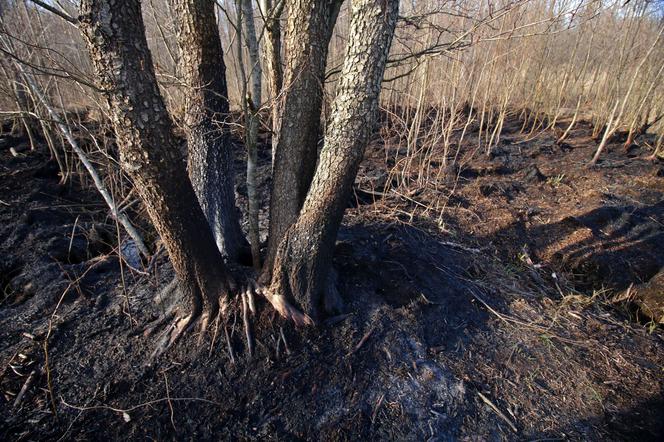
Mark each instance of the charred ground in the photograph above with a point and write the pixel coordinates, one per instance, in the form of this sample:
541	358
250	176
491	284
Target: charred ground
512	306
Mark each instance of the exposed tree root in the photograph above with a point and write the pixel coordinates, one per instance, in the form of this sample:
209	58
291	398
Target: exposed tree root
170	336
204	301
287	310
295	283
176	321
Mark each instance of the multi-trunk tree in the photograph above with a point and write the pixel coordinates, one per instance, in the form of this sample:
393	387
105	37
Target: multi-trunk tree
195	213
303	258
309	25
115	37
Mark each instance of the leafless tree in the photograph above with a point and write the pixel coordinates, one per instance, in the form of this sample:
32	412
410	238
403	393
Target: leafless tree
251	105
309	26
149	153
304	257
455	69
115	37
209	159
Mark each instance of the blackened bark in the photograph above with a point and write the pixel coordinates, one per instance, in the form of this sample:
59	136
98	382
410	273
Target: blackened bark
308	31
304	257
115	37
210	161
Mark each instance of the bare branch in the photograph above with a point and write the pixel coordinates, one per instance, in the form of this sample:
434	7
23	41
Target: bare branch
63	15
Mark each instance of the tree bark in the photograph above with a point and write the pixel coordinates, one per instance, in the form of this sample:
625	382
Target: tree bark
210	161
272	55
115	37
308	31
304	257
251	107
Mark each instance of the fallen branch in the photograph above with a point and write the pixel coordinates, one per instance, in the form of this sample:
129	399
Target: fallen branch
135	407
24	389
362	342
497	411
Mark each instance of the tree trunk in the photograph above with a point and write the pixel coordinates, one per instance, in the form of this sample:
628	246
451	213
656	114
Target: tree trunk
272	55
210	160
252	118
308	31
304	257
115	37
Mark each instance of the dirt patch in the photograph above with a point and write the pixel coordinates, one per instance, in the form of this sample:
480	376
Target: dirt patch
495	324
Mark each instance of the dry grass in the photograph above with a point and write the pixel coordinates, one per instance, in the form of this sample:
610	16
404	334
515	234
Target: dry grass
456	67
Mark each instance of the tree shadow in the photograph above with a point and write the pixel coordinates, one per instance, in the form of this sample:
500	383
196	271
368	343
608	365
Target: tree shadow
431	281
643	422
404	267
607	247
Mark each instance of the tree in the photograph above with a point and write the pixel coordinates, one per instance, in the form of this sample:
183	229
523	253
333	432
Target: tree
115	37
251	103
309	26
209	159
271	14
304	257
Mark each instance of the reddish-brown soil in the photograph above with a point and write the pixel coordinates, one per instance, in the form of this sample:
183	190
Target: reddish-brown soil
491	312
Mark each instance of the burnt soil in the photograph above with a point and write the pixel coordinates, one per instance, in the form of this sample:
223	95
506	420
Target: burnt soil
491	312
